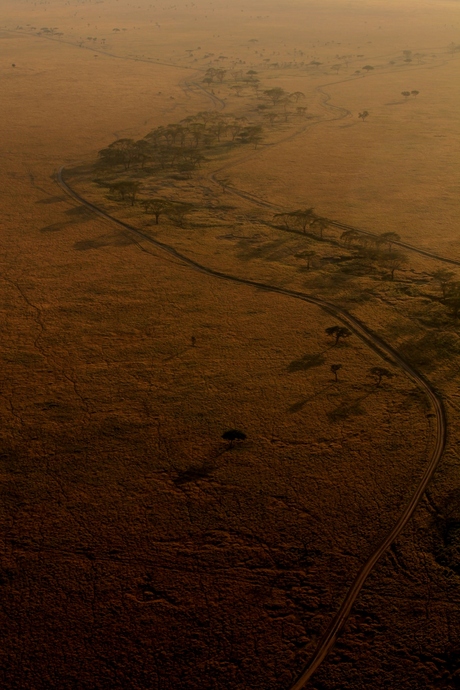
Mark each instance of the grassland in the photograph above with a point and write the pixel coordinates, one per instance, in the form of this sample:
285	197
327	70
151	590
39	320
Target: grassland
138	550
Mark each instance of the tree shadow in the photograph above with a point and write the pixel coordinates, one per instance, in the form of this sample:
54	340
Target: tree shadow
349	409
270	251
306	362
296	407
52	200
193	474
104	241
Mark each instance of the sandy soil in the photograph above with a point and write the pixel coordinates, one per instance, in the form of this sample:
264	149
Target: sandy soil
137	549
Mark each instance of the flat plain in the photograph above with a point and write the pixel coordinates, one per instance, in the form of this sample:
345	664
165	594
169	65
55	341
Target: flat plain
137	549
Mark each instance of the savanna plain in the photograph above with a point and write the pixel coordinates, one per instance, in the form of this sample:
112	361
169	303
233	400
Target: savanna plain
223	216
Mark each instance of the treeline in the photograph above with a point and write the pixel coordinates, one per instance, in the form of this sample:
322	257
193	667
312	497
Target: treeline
304	220
182	145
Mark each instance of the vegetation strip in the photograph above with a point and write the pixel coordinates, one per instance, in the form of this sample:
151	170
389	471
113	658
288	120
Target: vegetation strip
383	350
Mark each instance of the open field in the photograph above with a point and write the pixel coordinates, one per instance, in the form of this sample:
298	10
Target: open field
137	549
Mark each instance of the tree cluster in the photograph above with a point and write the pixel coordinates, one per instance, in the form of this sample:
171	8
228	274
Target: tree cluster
182	145
377	248
303	219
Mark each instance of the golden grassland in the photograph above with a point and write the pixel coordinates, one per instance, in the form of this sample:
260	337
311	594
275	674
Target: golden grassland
138	550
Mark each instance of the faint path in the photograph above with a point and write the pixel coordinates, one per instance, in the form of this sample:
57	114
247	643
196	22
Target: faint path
379	346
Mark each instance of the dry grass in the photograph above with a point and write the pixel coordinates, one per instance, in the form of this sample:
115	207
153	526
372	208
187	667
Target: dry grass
138	551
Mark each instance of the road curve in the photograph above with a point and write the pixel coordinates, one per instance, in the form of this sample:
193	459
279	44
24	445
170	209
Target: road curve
381	348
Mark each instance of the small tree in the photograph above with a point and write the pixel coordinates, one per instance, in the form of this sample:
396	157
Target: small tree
271	117
233	435
363	115
237	88
335	368
126	189
156	207
394	261
252	134
178	213
444	278
349	237
414	93
275	94
368	68
380	373
297	96
321	224
338	332
304	217
389	238
406	94
308	255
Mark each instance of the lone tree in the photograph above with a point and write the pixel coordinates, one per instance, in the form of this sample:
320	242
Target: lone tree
338	332
368	68
363	115
406	94
380	373
156	207
275	94
308	255
335	368
297	96
393	262
178	213
414	93
233	435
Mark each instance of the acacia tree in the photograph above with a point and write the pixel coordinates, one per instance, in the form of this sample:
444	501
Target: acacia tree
275	94
157	207
303	217
363	115
321	224
380	373
233	435
126	189
237	88
394	261
406	94
271	117
444	278
350	236
309	255
335	368
178	213
338	332
389	238
121	152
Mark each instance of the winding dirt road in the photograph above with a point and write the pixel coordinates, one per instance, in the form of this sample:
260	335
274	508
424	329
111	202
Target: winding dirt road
360	329
381	348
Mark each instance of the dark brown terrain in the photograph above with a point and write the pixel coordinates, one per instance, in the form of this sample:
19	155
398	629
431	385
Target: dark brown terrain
138	549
